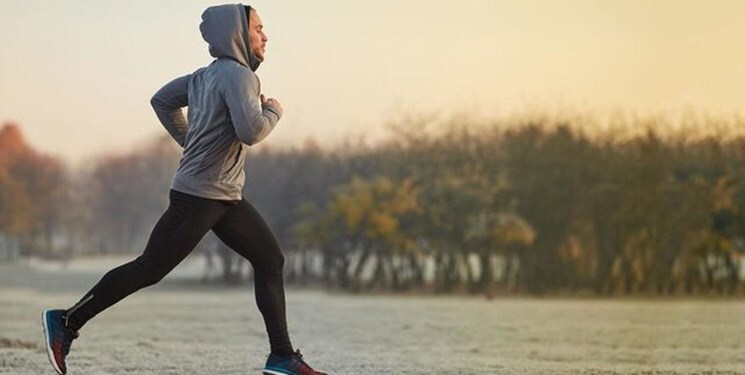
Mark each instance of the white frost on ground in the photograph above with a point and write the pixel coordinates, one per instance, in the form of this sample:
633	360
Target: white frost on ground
184	328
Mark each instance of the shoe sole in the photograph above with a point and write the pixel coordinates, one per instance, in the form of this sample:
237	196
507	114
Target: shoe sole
50	354
272	372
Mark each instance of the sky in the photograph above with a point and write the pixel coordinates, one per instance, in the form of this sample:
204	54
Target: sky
77	75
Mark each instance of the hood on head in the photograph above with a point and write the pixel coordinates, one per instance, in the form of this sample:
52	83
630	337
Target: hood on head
225	29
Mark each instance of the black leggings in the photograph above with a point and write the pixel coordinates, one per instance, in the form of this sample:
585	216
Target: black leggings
182	226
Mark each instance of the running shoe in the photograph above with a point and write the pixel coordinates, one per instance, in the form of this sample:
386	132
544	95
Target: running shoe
57	338
289	365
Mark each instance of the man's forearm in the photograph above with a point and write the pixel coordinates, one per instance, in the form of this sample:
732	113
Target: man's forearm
173	120
167	104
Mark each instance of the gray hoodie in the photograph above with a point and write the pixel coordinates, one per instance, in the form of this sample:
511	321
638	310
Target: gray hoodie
225	112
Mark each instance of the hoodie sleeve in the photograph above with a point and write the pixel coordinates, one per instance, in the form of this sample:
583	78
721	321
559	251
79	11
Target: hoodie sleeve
252	121
167	103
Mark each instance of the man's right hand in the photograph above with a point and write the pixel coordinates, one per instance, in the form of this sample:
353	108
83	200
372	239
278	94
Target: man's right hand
271	102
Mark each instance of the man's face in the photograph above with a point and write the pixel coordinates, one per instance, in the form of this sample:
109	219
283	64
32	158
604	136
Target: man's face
256	35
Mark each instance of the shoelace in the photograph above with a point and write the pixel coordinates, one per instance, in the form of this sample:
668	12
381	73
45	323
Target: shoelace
304	366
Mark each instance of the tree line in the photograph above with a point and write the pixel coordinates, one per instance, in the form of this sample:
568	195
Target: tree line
539	206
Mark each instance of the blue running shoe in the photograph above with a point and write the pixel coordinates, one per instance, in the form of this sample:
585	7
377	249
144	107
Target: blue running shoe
57	338
290	365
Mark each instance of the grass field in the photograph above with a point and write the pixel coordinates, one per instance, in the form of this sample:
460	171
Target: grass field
182	327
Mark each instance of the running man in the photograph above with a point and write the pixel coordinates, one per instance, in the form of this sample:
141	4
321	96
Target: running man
227	113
